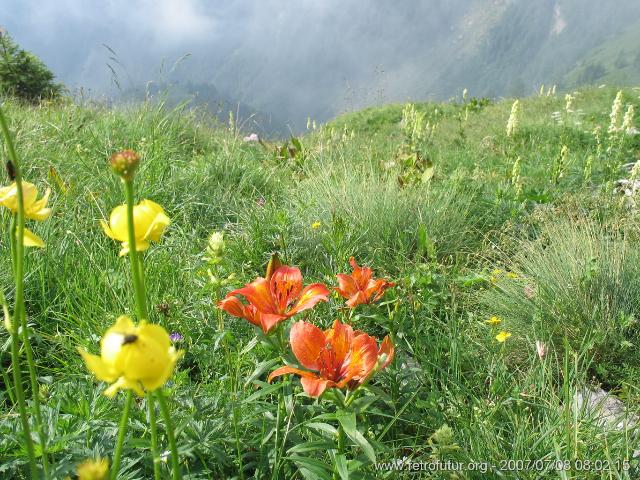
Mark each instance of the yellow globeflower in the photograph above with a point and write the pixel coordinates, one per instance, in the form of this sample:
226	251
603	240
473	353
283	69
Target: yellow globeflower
316	225
149	221
93	469
133	357
33	208
502	336
493	321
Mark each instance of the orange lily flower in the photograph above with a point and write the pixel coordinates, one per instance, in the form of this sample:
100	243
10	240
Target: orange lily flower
359	287
342	357
270	299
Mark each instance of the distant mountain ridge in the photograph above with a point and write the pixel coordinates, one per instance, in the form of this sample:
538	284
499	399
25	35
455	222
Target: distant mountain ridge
437	48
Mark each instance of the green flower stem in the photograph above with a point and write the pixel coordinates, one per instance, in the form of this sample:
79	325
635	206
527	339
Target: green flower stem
22	407
175	464
154	436
7	321
235	430
138	283
17	236
341	442
122	430
35	388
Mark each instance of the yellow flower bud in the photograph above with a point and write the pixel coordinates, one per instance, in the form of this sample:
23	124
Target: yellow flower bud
215	249
124	163
136	357
149	223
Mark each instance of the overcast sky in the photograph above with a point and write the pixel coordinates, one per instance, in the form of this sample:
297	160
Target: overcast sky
309	56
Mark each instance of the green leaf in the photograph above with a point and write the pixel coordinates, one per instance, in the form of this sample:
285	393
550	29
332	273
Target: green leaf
296	143
323	427
269	389
312	469
342	466
360	405
348	422
260	369
428	172
312	446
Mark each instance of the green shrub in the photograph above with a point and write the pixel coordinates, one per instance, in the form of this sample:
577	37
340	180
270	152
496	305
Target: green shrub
23	75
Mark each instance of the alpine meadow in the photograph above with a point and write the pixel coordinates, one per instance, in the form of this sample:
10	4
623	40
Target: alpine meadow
442	288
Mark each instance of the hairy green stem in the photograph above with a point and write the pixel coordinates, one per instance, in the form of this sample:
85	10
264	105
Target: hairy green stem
17	237
122	430
175	461
154	436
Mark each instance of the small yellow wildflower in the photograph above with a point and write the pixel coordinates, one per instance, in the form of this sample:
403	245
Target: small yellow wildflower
493	321
133	357
93	469
495	273
33	209
512	275
502	336
315	225
149	221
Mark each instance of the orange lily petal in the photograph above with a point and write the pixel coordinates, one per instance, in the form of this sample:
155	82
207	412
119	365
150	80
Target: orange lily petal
310	296
381	287
269	320
233	306
386	348
258	294
314	387
364	357
340	338
286	370
361	275
307	341
358	299
285	285
346	285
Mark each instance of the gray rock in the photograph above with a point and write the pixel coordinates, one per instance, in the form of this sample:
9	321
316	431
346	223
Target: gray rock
606	410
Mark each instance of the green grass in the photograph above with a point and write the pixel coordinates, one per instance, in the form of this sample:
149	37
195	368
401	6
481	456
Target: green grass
439	241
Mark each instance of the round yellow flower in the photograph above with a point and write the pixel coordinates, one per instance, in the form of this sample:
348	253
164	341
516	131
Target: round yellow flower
149	223
493	321
502	336
33	208
134	357
316	225
93	469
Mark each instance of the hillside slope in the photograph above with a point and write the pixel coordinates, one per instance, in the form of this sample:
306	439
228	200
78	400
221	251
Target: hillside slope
515	259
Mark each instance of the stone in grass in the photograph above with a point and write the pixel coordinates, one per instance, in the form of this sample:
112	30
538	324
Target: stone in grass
606	410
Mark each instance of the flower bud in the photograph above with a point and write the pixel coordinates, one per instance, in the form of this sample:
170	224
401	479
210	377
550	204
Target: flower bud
215	249
124	163
274	264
